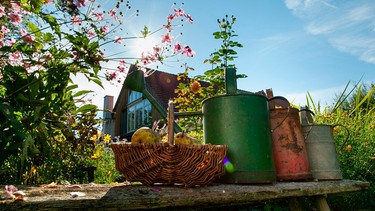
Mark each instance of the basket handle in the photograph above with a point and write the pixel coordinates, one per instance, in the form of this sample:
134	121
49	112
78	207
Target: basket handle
170	122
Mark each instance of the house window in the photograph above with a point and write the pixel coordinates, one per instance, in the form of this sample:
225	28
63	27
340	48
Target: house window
138	111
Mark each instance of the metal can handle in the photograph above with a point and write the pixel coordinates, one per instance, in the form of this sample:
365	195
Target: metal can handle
347	135
273	107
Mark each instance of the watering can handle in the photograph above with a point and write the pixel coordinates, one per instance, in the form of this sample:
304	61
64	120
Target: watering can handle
273	107
347	135
306	119
280	98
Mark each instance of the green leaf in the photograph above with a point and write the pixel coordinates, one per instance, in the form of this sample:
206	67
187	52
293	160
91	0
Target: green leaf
82	92
34	29
36	5
22	97
97	81
71	87
87	107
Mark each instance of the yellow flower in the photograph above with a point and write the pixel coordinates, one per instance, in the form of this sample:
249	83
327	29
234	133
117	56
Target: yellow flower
348	148
107	138
33	170
371	126
94	137
95	156
326	115
336	130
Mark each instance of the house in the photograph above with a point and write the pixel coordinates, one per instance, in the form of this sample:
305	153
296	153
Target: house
133	110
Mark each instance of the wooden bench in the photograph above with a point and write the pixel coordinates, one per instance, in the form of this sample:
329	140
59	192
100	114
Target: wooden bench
135	197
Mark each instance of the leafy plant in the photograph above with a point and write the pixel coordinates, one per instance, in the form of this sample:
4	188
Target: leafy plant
46	122
190	92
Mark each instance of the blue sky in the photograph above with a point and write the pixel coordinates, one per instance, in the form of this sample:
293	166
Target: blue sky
291	46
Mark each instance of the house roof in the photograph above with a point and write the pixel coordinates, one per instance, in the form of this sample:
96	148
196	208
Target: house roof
163	85
160	84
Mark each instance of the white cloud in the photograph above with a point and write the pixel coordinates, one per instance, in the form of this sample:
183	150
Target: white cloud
348	26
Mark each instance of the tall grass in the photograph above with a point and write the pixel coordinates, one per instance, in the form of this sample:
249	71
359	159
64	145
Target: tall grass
354	110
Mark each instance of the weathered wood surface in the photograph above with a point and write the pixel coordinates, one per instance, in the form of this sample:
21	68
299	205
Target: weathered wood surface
135	197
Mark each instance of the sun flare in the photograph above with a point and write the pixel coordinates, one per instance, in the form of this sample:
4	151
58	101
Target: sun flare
144	45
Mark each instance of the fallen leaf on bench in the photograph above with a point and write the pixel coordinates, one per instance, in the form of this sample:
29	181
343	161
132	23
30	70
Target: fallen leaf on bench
74	186
51	185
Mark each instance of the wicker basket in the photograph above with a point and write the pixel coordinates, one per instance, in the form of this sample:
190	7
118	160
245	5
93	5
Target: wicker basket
170	163
166	163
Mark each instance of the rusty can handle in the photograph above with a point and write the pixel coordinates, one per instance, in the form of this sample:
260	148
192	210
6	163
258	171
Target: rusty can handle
273	107
278	98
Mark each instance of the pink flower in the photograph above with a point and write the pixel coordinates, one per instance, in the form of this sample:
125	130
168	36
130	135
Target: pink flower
111	76
15	18
15	57
168	27
170	18
81	3
101	53
156	49
122	62
148	58
178	12
177	47
76	20
23	32
166	38
2	43
104	29
2	11
48	56
112	12
119	40
91	34
16	7
188	51
189	18
11	41
5	30
99	16
121	68
28	39
74	54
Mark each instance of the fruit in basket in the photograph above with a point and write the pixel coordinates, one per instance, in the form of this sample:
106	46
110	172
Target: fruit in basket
145	135
183	138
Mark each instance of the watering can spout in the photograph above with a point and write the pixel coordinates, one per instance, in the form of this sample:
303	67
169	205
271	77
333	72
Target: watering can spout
230	81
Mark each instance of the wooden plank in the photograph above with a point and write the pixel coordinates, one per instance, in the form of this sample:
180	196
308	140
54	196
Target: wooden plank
133	197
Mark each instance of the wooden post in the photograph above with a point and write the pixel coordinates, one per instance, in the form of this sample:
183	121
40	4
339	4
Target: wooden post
170	122
321	203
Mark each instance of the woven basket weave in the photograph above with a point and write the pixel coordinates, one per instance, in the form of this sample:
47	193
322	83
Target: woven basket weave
167	163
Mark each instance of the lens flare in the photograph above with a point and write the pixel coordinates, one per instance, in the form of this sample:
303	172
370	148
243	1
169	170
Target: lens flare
228	165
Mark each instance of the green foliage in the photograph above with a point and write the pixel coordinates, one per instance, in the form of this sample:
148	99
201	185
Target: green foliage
190	99
44	134
103	160
356	155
